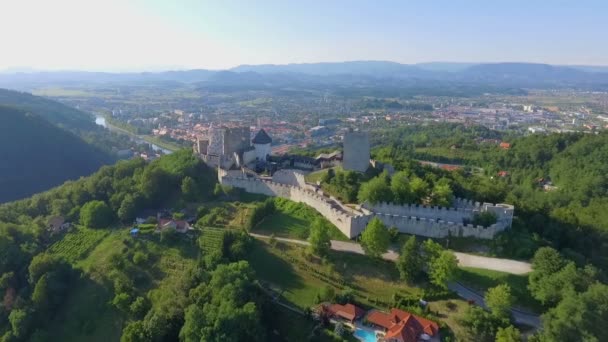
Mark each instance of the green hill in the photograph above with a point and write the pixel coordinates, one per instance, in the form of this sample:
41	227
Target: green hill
36	155
56	113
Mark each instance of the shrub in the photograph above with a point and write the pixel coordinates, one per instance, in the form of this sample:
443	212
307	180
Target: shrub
140	258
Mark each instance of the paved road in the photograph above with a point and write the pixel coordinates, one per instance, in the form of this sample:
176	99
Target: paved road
520	316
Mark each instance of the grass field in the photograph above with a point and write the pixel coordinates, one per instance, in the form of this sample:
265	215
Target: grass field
481	280
286	269
293	220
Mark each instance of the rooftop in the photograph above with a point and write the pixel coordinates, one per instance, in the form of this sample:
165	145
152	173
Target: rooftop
261	138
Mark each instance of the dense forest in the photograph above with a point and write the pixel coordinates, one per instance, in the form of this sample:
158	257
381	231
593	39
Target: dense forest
37	155
558	182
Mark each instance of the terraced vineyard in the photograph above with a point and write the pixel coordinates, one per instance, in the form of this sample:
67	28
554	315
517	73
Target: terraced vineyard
76	244
211	239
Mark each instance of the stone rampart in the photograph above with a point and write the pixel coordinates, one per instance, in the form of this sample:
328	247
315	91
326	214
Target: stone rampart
412	219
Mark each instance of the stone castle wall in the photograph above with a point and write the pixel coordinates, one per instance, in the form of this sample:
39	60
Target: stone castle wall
418	220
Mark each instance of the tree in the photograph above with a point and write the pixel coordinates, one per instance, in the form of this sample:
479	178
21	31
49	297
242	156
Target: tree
431	250
122	301
226	308
96	214
443	269
320	243
135	332
374	191
193	321
552	278
409	263
189	189
508	334
139	307
578	317
400	186
20	322
481	325
442	194
40	296
420	189
375	238
128	209
499	300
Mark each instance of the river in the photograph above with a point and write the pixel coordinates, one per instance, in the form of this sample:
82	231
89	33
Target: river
101	121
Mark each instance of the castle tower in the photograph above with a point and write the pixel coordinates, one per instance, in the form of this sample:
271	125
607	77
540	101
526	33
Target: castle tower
261	143
356	151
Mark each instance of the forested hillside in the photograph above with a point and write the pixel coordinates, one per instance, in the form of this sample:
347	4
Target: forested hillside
55	112
71	119
36	155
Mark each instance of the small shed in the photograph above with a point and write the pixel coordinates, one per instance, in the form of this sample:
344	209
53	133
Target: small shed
134	231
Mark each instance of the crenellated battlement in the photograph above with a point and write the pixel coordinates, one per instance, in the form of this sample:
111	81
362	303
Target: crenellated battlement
421	220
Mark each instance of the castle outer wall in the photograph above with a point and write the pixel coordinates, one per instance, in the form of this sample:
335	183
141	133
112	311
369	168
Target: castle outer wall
432	222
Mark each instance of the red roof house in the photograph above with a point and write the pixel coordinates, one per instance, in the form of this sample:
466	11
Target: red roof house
348	312
402	326
505	145
179	225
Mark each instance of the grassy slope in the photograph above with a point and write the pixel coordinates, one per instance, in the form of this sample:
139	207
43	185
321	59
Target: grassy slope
87	315
293	220
286	269
481	280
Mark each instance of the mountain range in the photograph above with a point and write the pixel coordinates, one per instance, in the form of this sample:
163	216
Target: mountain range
366	72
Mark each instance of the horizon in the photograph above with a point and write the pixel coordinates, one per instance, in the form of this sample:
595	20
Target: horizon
138	35
152	69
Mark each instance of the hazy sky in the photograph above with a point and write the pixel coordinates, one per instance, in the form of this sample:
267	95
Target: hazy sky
155	34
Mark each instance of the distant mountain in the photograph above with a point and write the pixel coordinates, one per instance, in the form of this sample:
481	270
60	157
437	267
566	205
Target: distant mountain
367	68
445	66
366	73
531	74
32	80
36	155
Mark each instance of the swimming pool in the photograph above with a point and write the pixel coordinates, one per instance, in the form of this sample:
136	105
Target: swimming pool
365	335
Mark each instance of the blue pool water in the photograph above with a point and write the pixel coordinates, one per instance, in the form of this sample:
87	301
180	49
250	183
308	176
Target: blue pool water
365	335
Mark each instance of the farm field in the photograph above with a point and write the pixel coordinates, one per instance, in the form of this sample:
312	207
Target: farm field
77	243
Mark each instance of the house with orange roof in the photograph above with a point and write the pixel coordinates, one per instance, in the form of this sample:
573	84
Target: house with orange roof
180	226
402	326
505	145
348	312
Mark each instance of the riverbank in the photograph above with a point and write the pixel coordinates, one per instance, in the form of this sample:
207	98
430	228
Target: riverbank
154	142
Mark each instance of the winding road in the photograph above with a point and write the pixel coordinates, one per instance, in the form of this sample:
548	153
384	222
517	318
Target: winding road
464	260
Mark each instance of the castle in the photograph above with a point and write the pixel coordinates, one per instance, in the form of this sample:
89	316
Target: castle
226	148
231	151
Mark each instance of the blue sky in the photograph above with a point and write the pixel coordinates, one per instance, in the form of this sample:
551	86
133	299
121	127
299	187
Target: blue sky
152	34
